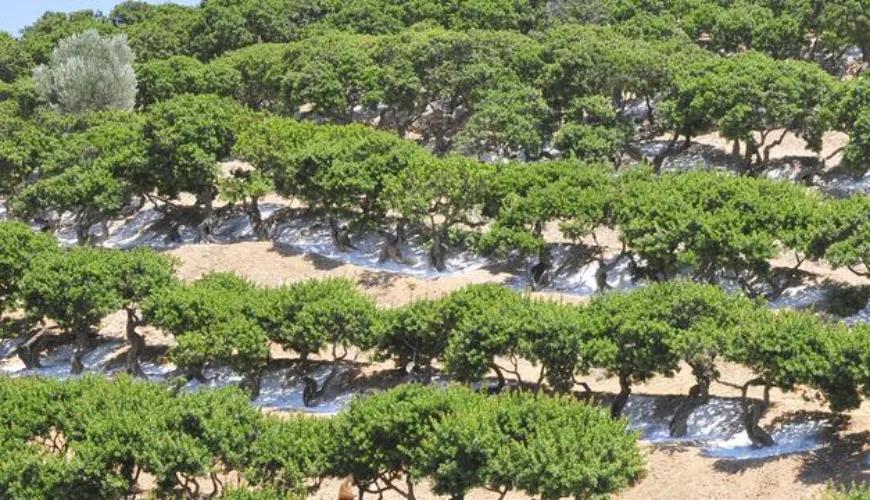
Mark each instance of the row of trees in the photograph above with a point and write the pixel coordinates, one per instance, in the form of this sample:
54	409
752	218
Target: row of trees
508	94
795	28
92	438
224	320
93	166
484	92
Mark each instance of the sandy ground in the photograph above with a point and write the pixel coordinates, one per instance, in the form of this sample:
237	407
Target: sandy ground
791	146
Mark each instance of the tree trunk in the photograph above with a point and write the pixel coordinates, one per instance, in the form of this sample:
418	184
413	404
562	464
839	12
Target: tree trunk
621	399
29	351
340	235
699	395
501	380
616	97
437	252
137	345
77	365
659	159
539	271
752	414
751	150
82	236
390	250
679	425
252	383
257	219
205	227
650	115
601	276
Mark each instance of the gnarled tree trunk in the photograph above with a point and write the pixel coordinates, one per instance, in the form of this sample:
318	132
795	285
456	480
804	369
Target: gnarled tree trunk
621	399
438	252
340	235
137	345
253	209
205	228
77	365
752	414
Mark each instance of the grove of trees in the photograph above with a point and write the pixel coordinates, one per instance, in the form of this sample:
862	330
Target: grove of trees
93	438
471	125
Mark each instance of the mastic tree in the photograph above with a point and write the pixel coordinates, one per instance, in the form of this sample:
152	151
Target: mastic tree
162	79
842	233
214	323
88	172
20	246
797	348
439	193
506	443
695	219
845	23
752	99
416	333
507	120
430	77
385	430
14	62
704	320
186	137
88	72
288	452
226	25
76	289
342	171
522	199
225	424
312	315
156	31
334	73
142	273
247	187
747	26
582	60
271	145
553	335
24	146
594	131
485	323
849	111
629	343
251	75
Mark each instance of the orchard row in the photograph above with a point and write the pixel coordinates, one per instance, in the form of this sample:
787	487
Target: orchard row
94	439
357	180
224	320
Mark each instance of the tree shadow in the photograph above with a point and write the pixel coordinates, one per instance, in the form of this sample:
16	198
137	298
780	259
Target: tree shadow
841	464
319	262
818	466
153	353
376	279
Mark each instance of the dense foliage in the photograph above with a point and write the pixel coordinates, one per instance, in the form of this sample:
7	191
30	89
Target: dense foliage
479	124
92	438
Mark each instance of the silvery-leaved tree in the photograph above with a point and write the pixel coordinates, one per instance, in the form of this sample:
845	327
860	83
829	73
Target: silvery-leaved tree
88	72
